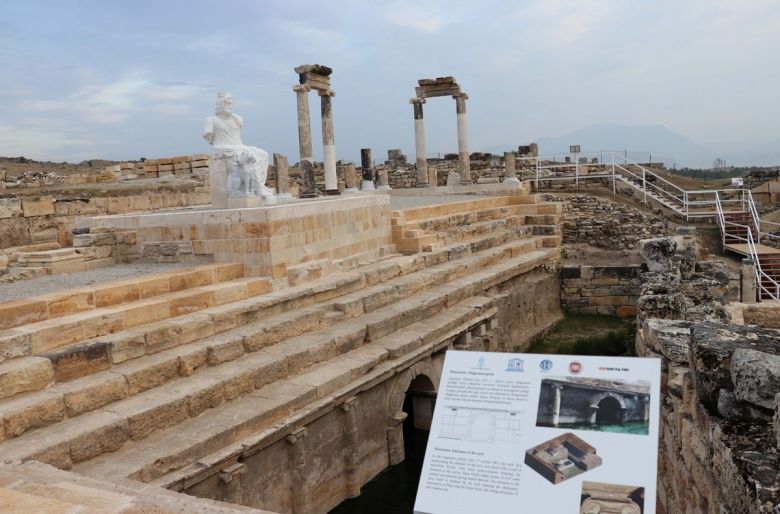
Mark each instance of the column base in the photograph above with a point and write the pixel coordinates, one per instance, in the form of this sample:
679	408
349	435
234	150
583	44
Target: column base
368	186
514	181
351	190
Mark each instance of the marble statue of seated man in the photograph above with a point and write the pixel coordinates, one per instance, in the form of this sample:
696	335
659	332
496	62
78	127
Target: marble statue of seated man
247	166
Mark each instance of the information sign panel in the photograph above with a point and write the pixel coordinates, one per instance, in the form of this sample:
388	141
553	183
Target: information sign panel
540	434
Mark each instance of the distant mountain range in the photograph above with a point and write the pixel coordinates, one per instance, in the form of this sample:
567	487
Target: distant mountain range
659	144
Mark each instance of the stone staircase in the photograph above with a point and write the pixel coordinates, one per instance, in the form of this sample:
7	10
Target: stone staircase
39	488
424	229
133	380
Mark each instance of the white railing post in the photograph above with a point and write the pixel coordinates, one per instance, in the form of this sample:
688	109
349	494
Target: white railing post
576	171
614	185
644	184
685	204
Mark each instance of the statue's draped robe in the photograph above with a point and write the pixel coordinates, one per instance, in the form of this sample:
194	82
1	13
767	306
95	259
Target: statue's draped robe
227	139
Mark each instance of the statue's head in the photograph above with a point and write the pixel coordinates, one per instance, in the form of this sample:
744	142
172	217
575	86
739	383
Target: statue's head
224	103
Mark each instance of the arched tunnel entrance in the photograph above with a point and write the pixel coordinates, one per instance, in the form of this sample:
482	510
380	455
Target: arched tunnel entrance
394	490
610	412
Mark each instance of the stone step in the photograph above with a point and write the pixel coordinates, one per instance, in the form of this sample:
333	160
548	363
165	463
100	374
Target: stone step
428	241
184	444
180	352
53	335
54	305
85	436
40	488
446	209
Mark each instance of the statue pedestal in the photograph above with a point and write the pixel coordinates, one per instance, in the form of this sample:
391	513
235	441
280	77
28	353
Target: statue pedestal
241	202
218	181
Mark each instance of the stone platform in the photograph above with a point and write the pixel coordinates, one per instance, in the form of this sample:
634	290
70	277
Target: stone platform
270	240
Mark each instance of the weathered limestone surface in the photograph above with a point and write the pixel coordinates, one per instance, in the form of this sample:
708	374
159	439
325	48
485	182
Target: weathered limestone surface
719	448
287	400
610	290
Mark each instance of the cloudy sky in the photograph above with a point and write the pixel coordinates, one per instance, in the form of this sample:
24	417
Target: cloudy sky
130	79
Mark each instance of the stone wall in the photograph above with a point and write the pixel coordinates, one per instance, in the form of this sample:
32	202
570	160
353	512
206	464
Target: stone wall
30	219
610	290
607	224
720	383
358	432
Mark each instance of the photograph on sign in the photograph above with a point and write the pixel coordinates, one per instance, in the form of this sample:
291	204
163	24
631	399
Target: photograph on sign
593	404
542	433
605	498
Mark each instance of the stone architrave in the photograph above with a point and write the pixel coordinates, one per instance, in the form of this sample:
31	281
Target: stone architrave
464	166
328	143
509	166
304	142
368	169
282	176
350	178
419	143
247	166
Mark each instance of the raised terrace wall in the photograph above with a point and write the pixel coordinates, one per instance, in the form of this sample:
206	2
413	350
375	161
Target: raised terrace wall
610	290
719	448
604	223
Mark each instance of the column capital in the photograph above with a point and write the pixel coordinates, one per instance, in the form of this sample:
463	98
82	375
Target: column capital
349	404
328	92
464	96
416	100
301	88
297	435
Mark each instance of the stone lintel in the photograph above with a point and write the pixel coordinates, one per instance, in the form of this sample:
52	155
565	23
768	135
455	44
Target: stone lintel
440	86
319	69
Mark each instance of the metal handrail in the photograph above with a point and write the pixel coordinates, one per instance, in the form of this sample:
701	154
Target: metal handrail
761	275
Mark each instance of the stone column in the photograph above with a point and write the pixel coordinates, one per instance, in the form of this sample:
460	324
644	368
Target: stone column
749	286
282	176
368	169
231	477
419	143
328	143
352	464
304	142
382	180
395	438
509	166
464	166
557	405
299	490
350	178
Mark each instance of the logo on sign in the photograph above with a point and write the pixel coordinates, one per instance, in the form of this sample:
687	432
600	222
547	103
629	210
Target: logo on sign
481	362
546	365
575	368
515	365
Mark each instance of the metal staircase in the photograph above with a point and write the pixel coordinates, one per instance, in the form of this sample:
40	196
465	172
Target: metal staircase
733	209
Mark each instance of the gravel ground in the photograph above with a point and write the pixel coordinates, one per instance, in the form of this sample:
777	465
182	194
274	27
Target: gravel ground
53	283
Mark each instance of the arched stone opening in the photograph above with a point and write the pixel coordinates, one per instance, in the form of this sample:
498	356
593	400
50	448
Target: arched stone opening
608	409
609	412
410	410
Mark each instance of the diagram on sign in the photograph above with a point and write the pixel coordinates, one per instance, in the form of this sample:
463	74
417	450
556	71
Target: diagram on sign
480	425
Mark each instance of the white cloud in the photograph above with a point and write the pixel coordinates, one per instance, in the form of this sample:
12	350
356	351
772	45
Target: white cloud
113	102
